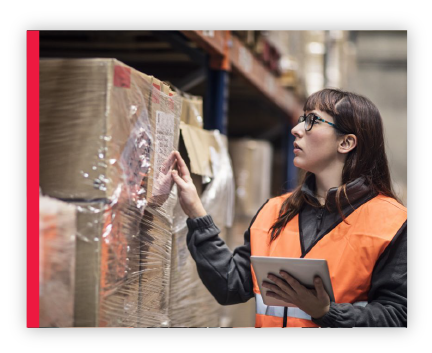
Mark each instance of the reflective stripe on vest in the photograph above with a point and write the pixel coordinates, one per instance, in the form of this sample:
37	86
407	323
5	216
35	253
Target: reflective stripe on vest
278	311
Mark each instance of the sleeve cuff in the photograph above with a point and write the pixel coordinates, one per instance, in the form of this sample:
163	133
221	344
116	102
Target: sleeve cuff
328	319
200	222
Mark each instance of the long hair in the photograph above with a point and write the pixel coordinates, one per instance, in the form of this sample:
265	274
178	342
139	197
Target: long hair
356	115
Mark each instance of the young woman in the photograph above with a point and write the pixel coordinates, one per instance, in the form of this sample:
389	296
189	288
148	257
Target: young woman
344	211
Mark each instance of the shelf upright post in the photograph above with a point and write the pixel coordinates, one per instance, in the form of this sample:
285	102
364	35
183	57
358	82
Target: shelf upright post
216	98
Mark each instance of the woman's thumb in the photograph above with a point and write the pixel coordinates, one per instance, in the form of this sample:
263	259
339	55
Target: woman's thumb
319	287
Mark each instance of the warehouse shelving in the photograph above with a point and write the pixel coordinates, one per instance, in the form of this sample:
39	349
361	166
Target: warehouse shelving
232	53
212	64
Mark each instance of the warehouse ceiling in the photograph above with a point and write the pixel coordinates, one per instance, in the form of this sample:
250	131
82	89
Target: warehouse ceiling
171	57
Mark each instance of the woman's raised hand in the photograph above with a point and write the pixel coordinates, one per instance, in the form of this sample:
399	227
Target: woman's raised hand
187	193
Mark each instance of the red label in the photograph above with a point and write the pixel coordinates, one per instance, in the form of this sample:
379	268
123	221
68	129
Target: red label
122	76
155	94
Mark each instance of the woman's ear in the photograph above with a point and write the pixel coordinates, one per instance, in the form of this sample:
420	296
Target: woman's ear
347	143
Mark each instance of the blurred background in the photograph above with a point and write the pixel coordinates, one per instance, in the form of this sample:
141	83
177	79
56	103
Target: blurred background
250	86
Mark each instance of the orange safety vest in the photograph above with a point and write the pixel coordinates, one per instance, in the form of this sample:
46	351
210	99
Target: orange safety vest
351	251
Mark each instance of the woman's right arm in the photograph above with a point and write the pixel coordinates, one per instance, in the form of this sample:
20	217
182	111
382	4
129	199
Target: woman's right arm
227	275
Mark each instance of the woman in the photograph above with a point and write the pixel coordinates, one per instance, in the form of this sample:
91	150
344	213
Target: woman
344	211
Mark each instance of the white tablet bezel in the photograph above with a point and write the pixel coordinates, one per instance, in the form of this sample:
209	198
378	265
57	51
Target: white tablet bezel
304	270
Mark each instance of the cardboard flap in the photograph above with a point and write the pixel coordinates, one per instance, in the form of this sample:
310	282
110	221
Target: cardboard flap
199	144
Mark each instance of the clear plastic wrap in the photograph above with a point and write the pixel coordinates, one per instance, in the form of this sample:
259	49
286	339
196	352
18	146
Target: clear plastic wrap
57	262
106	134
191	304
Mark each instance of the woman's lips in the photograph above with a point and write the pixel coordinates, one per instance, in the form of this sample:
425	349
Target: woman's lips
296	147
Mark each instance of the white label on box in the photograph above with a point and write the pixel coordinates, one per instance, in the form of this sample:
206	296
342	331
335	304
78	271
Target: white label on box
164	145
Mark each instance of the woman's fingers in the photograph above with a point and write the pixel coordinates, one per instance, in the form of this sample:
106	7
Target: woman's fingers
183	169
295	285
281	284
285	298
179	181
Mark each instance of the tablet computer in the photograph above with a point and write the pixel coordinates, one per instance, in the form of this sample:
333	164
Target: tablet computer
304	270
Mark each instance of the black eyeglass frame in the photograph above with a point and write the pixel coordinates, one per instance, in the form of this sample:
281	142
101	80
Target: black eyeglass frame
315	117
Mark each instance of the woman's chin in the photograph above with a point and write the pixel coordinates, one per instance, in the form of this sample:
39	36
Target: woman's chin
297	163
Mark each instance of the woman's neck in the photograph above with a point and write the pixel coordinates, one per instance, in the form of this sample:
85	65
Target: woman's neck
325	180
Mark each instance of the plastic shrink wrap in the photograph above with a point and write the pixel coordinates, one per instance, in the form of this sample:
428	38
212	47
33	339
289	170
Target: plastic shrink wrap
106	134
56	262
191	304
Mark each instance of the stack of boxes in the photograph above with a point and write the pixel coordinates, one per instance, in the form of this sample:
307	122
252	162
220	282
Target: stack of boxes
205	152
106	134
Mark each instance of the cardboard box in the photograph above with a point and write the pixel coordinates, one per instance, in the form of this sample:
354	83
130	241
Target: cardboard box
123	266
104	128
252	164
56	262
155	266
107	132
202	149
196	148
108	264
92	111
192	111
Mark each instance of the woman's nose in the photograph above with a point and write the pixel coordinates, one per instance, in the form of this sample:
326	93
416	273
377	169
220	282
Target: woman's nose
298	130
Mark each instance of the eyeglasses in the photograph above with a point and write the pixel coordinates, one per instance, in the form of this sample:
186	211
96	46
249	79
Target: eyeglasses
310	121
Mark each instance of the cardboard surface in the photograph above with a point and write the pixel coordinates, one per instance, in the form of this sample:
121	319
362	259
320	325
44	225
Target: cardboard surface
107	265
192	111
105	130
199	145
57	262
92	112
252	161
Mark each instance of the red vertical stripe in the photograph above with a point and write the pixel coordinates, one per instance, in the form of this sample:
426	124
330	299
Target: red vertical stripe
32	179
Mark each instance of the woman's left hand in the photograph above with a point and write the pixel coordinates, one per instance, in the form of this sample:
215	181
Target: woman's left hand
315	303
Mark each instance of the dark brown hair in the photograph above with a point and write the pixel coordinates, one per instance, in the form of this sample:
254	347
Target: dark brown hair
356	115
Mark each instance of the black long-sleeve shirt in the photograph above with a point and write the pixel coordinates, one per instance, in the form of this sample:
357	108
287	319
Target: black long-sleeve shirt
227	275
